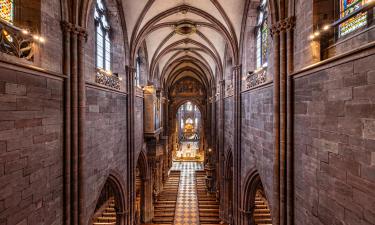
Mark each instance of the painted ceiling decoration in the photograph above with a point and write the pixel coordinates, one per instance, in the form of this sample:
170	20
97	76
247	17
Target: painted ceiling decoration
184	37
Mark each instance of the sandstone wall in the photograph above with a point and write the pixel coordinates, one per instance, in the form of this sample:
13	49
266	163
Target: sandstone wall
334	144
31	148
105	142
257	135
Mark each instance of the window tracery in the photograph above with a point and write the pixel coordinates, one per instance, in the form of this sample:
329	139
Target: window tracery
262	31
103	43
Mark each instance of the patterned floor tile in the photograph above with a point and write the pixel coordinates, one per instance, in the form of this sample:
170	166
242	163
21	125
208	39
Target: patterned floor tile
187	202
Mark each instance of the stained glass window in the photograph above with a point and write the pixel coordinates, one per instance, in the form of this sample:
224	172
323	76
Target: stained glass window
138	71
262	31
360	20
103	42
7	10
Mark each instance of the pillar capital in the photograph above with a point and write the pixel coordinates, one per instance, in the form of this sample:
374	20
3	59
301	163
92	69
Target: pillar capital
71	28
283	25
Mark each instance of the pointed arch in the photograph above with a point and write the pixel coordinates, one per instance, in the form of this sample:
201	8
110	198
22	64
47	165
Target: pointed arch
112	192
142	165
253	192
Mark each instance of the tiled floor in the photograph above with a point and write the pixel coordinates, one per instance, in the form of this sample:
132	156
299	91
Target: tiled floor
187	202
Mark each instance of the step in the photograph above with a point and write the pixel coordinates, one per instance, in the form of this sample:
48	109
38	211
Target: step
104	223
263	220
163	219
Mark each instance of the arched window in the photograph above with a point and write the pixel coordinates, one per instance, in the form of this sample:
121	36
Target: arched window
138	71
7	10
261	33
103	43
348	7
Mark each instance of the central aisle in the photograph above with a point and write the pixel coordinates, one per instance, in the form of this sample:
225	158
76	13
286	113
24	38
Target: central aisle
187	202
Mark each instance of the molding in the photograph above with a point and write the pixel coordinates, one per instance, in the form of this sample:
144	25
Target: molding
361	52
34	70
104	88
257	88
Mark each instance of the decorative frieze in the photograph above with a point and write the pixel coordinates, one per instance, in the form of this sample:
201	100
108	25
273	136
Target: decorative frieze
229	89
108	79
254	79
15	41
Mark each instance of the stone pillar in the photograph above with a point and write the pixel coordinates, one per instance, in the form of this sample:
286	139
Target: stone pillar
237	145
75	104
276	126
66	27
130	151
82	36
289	150
221	147
283	170
148	208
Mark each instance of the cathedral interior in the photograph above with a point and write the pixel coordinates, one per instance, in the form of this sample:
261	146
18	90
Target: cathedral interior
187	112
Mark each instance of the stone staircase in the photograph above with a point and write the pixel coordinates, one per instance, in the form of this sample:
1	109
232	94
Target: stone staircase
165	205
262	214
107	215
208	205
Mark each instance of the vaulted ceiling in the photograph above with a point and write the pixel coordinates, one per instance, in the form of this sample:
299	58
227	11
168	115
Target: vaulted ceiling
184	37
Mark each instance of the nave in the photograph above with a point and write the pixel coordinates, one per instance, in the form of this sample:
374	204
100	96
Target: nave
161	112
185	199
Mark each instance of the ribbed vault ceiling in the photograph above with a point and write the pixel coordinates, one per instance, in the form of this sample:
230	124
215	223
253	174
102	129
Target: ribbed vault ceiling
196	48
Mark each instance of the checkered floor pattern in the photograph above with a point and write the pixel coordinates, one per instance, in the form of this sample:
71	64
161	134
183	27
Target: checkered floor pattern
187	202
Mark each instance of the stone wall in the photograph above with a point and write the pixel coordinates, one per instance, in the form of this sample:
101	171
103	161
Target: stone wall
138	126
106	142
228	125
31	148
334	144
257	135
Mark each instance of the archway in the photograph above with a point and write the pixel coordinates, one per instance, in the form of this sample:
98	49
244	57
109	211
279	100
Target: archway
255	203
142	190
189	132
110	204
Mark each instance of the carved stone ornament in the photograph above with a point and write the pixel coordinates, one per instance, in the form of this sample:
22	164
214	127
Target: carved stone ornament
107	79
185	28
229	89
255	79
283	25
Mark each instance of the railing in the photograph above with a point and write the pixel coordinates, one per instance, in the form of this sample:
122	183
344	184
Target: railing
15	41
108	79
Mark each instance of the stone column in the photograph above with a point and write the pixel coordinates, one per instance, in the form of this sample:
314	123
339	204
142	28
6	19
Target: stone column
283	169
82	36
289	150
221	147
67	28
74	38
276	126
130	151
237	145
148	206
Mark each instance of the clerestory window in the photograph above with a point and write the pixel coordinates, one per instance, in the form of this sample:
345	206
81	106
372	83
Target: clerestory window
261	32
103	42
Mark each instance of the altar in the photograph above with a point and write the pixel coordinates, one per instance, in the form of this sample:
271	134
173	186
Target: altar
188	150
